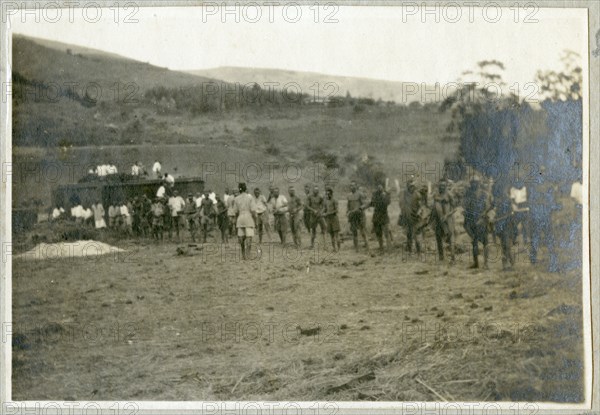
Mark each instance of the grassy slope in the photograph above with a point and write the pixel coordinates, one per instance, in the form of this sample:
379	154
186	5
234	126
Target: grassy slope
310	81
45	60
396	136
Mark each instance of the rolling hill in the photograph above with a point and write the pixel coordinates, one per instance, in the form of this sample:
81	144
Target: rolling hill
61	63
66	130
400	92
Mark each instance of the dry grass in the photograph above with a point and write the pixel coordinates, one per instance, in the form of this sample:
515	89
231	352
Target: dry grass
155	325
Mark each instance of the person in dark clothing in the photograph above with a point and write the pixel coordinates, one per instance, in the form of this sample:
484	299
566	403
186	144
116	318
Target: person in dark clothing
357	204
477	205
504	223
330	213
314	204
295	209
542	204
191	216
222	220
409	215
442	217
381	220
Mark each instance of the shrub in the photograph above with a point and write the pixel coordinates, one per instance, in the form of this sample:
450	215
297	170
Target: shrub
329	160
273	150
369	172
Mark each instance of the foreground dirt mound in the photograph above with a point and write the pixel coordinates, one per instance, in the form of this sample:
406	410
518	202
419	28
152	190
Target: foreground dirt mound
65	250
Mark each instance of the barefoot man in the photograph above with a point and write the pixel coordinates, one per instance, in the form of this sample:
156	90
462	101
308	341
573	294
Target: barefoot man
245	212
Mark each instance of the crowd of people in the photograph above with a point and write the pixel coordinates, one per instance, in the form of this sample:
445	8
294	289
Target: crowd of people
138	170
498	210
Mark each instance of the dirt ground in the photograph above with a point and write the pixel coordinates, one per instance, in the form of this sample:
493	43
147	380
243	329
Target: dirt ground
200	324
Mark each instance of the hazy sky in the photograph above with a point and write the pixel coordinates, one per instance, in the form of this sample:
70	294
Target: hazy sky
388	43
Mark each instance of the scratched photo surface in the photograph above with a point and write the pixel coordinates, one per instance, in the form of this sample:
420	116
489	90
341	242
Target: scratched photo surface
322	202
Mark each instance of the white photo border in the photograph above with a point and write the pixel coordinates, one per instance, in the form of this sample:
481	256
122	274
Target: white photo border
590	269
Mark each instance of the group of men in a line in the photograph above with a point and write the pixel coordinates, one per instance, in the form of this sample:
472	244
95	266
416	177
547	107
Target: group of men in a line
315	211
494	208
104	170
137	169
119	216
172	214
250	213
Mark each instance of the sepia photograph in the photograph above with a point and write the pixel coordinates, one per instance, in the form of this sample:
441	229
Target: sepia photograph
319	202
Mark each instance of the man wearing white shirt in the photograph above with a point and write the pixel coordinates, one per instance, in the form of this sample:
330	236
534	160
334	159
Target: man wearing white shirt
176	205
212	196
156	168
126	220
280	211
520	210
170	180
262	215
57	212
87	216
160	193
98	210
226	196
77	213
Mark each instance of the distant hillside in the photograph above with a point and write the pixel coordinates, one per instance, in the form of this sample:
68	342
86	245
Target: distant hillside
168	117
60	63
401	92
51	106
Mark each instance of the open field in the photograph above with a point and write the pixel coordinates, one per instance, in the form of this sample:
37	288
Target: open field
153	325
188	322
401	140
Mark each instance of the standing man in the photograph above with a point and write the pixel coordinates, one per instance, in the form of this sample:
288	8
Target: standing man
357	204
381	220
280	212
332	220
207	214
135	169
98	210
176	205
222	220
169	180
306	214
191	215
542	204
231	212
245	212
158	212
409	215
114	214
146	216
504	223
477	205
262	215
295	209
520	208
126	221
136	212
443	219
161	192
156	169
316	204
